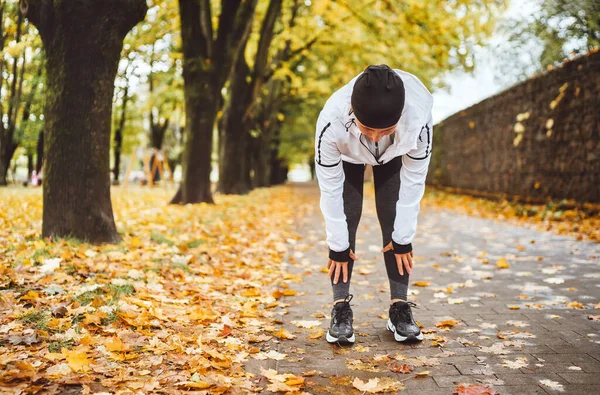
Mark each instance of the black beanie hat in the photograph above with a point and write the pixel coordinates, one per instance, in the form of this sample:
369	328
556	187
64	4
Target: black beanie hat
378	97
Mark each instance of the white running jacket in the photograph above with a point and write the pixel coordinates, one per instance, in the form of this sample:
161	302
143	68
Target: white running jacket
338	138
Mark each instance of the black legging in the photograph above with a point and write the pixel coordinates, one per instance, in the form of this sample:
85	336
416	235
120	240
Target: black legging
387	188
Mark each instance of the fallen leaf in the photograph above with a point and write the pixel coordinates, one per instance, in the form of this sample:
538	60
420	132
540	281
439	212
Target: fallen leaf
552	385
474	389
422	283
306	324
384	384
116	344
317	334
284	334
396	367
502	263
447	324
77	360
574	305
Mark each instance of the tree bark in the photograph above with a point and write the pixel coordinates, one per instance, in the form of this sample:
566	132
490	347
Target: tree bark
7	144
83	42
39	153
29	165
245	85
234	133
118	140
207	62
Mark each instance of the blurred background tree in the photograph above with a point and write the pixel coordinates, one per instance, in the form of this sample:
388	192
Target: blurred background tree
21	88
557	30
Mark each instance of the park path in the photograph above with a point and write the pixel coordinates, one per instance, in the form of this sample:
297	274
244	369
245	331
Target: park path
546	342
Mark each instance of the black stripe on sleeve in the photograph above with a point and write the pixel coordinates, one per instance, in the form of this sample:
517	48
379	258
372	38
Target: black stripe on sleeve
427	150
319	148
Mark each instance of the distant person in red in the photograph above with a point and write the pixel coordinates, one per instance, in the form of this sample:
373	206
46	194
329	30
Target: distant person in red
382	118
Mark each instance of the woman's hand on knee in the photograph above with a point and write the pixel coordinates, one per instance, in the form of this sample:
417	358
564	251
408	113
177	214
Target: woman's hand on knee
337	268
404	261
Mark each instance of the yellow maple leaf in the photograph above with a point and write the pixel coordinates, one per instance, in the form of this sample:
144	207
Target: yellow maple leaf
316	334
283	334
77	360
116	344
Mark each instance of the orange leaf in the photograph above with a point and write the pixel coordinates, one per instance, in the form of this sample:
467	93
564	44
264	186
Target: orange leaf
422	283
447	324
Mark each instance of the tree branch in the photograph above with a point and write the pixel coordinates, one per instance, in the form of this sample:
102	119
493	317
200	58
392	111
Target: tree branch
206	26
266	37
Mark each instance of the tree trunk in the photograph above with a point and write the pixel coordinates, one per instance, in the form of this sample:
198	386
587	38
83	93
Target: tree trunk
261	158
118	140
278	168
29	165
117	153
234	134
207	62
39	153
201	110
83	42
7	144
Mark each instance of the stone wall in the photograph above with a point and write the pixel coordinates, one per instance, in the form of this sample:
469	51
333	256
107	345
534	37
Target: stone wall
536	140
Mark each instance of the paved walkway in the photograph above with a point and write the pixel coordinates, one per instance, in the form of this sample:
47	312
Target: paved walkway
526	329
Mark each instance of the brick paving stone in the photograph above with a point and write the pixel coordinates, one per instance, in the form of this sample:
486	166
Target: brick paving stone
581	378
530	379
453	381
562	337
520	390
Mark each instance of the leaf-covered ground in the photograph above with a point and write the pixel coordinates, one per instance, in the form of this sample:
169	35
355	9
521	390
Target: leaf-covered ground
232	298
178	305
562	217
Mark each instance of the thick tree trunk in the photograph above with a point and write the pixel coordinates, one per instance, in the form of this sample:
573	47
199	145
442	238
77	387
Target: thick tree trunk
261	159
207	62
278	168
83	42
234	134
201	104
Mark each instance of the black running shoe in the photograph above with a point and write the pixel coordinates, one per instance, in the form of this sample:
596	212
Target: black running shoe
340	329
402	324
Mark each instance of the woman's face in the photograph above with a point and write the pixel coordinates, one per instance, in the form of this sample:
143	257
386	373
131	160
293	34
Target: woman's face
375	134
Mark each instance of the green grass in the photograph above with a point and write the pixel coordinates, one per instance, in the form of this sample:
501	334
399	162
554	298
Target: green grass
74	241
37	318
114	291
40	252
158	238
117	290
112	317
87	297
195	243
58	345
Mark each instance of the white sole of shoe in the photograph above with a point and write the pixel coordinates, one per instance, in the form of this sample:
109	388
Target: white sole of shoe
400	338
341	339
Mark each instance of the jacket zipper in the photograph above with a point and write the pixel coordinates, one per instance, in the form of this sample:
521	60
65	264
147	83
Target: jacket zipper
374	157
